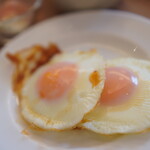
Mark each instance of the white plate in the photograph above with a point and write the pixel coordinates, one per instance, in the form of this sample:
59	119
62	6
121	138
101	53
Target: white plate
115	34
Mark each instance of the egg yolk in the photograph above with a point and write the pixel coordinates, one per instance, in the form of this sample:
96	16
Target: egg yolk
120	85
57	80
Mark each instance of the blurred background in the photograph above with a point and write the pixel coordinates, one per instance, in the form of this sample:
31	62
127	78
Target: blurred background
18	15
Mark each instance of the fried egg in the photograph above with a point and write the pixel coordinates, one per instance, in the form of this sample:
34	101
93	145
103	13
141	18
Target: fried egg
58	94
124	106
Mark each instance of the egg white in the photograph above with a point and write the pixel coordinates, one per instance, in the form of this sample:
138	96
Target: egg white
68	111
130	117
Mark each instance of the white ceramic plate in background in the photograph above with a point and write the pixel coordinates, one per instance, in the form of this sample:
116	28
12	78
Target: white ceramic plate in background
114	34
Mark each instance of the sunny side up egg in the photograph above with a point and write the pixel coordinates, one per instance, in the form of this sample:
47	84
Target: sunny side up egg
60	93
124	106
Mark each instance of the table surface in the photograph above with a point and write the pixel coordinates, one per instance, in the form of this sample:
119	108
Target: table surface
141	7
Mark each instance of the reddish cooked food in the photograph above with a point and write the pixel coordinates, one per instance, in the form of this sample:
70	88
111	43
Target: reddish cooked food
94	78
29	60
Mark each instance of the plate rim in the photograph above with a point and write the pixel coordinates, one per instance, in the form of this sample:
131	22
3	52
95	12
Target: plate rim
61	16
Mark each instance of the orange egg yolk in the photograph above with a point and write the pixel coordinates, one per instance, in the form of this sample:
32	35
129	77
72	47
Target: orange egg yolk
57	80
120	85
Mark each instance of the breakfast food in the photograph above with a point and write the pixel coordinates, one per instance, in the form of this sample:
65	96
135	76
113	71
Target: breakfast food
59	93
59	90
124	106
